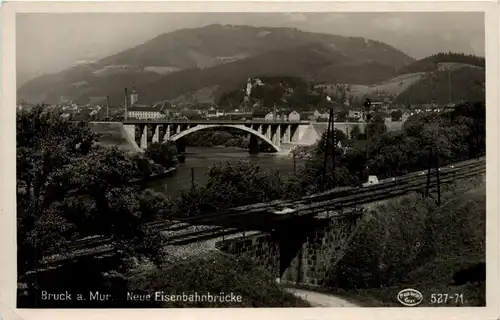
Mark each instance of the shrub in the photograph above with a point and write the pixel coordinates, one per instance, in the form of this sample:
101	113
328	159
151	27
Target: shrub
406	236
214	273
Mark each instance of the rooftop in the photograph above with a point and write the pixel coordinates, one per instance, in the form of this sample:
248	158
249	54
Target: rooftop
143	108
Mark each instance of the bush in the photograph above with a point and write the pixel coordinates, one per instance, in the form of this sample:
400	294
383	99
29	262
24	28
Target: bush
390	244
214	273
163	154
231	185
403	235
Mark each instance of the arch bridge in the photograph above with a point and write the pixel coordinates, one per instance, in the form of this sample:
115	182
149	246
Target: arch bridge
274	133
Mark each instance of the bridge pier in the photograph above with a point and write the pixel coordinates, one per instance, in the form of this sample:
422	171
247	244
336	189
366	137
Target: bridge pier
166	136
287	134
295	134
130	131
301	251
156	135
253	145
278	135
268	131
144	137
181	145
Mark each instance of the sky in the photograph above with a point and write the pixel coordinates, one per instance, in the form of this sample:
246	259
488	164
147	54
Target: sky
51	42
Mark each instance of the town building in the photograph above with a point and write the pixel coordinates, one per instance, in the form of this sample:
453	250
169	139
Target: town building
355	114
294	116
212	113
269	116
145	112
307	115
321	114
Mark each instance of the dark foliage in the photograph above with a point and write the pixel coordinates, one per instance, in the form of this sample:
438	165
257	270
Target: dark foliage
215	274
472	274
230	185
431	63
70	188
163	154
443	87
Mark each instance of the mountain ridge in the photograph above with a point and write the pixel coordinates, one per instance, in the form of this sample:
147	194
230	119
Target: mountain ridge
186	50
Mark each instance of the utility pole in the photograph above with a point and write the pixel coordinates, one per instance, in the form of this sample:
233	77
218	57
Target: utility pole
449	86
329	148
367	106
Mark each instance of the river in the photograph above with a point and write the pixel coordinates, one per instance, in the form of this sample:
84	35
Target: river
201	159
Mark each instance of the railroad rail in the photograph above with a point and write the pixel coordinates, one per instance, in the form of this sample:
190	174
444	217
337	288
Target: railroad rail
250	217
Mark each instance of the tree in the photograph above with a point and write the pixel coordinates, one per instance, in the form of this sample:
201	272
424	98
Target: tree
69	187
163	154
396	115
375	128
355	132
231	185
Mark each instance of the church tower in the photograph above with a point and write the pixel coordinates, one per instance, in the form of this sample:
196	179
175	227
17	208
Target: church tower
134	96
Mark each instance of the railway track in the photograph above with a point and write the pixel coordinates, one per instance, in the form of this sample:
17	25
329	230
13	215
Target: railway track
333	205
105	247
328	195
344	198
312	201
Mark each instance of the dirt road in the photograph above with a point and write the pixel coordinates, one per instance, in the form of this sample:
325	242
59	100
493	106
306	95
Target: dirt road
317	299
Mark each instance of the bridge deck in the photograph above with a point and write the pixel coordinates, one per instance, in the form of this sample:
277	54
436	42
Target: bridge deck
221	122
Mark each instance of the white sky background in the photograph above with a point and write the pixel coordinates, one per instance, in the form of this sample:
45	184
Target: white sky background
48	43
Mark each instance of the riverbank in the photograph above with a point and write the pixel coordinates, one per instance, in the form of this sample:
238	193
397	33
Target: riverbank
168	173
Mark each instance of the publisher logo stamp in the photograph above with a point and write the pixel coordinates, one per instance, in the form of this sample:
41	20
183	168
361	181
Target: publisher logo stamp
410	297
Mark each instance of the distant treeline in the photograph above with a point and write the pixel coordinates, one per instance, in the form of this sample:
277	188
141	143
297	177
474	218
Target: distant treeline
442	87
431	63
211	138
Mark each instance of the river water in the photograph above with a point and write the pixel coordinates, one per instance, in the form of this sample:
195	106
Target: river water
201	159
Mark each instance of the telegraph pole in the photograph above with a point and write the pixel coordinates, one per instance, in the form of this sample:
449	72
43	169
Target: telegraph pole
449	85
368	116
329	148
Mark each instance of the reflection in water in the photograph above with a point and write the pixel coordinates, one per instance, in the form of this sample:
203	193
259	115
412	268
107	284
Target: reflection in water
201	159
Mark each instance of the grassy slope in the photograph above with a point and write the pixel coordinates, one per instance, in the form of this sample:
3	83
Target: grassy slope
460	243
215	273
392	86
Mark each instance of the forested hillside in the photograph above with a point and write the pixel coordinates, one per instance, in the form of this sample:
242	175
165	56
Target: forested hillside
464	84
431	63
185	61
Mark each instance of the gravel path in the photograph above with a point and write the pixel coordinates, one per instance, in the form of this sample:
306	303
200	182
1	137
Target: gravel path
317	299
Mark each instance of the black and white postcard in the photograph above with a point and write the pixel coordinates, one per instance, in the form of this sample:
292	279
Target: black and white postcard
241	155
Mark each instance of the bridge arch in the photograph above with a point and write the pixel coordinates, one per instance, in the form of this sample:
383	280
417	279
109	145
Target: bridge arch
240	127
